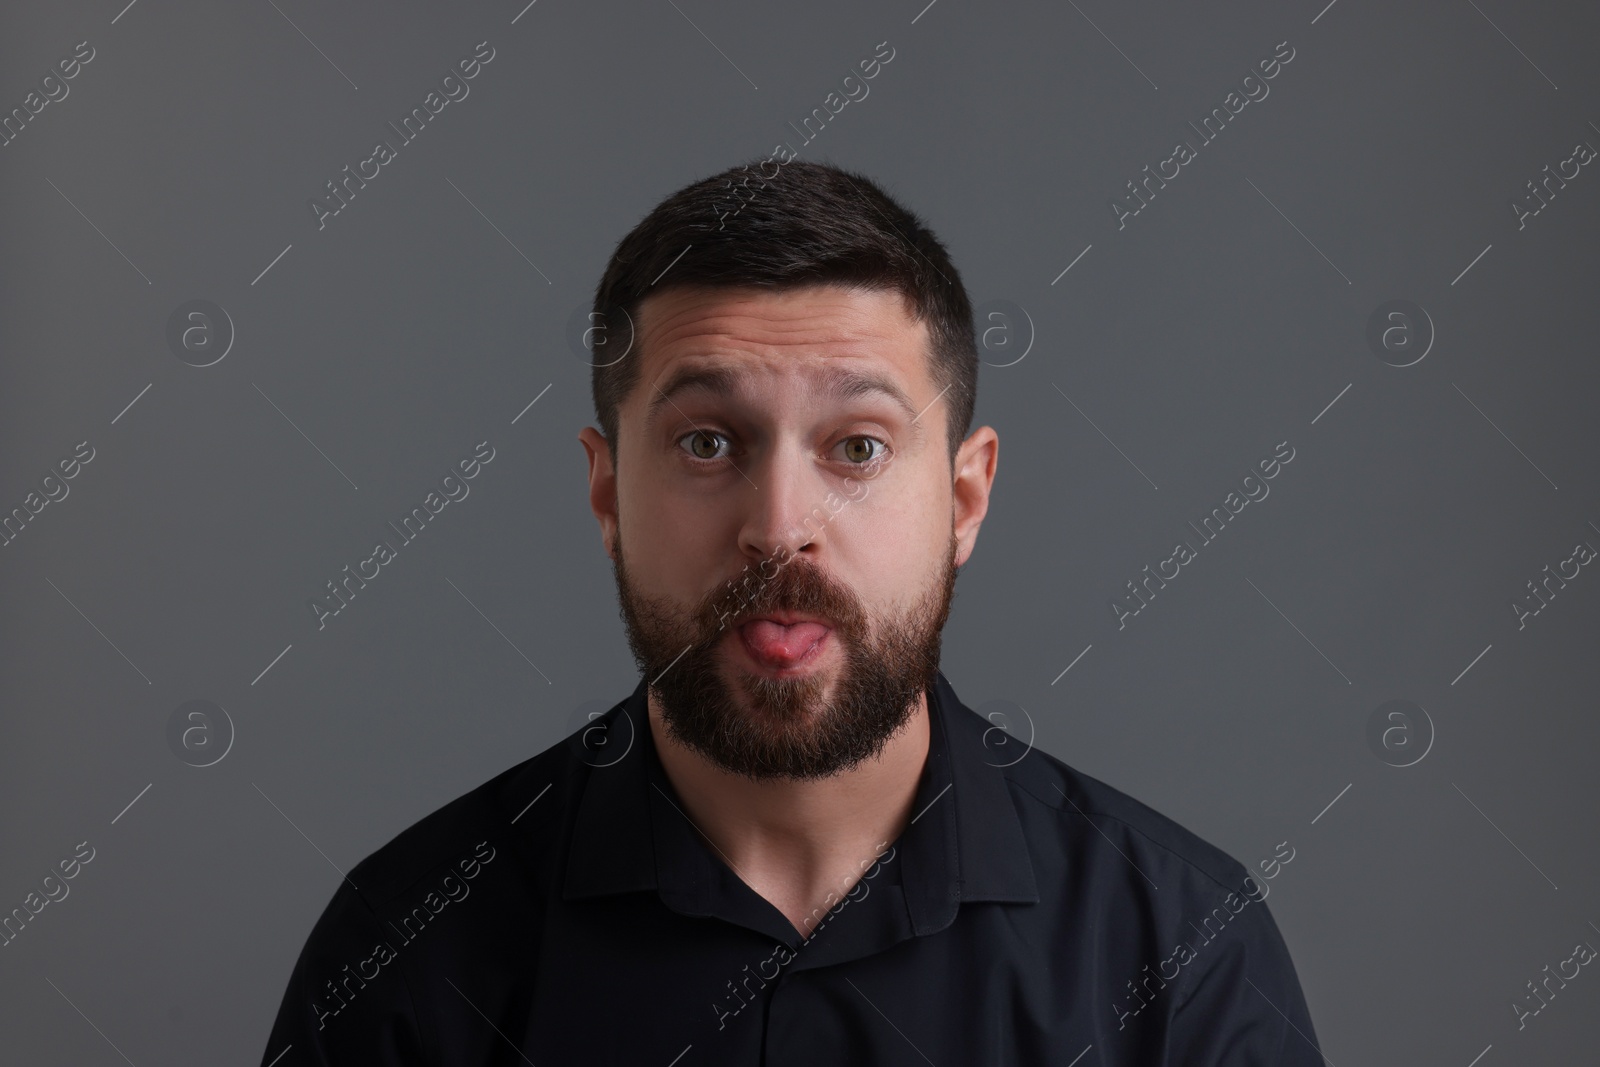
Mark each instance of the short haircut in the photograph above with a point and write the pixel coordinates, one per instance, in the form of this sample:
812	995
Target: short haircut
806	224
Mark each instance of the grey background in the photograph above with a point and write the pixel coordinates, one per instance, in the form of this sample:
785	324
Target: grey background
377	351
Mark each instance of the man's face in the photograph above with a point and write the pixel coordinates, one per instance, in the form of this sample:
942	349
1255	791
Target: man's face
792	444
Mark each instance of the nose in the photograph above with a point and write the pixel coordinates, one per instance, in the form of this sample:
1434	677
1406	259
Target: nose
785	516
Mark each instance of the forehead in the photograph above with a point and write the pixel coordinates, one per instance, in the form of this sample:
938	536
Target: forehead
798	336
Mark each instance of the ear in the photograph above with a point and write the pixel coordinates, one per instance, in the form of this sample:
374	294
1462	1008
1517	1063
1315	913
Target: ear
602	486
975	464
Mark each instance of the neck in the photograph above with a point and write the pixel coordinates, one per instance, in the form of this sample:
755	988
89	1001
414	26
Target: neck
794	842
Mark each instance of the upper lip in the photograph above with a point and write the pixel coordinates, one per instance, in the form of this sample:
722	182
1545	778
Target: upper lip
786	618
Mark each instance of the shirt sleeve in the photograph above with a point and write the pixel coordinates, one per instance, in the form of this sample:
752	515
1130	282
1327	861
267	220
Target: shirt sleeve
1246	1009
347	1002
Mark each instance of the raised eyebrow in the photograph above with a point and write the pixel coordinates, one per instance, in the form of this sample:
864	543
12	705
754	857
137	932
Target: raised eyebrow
719	381
838	385
848	384
844	385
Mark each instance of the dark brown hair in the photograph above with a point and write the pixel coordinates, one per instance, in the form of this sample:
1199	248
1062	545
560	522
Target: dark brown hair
786	225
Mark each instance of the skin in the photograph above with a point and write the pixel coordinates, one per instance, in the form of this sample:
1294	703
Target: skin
690	526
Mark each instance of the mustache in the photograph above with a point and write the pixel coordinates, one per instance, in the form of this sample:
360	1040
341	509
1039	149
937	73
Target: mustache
799	586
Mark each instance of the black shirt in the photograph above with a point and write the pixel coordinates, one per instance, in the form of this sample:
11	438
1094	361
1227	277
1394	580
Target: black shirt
566	912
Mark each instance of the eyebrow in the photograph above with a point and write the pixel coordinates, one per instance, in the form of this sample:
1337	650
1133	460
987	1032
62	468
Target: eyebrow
723	381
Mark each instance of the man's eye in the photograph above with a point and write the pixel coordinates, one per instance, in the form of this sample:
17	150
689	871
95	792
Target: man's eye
703	444
861	449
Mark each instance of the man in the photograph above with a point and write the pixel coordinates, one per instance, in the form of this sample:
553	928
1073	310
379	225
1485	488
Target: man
793	843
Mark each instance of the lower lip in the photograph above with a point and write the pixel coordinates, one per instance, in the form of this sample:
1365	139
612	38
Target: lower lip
800	666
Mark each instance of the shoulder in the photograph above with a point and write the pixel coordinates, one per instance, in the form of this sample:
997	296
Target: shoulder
1064	808
473	828
1150	901
372	945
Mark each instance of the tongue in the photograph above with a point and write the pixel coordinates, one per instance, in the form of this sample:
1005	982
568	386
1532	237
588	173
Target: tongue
782	645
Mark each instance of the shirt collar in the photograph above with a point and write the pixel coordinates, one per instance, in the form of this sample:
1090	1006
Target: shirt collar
965	843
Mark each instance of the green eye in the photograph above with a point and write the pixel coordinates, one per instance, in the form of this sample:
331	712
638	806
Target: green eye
703	444
860	449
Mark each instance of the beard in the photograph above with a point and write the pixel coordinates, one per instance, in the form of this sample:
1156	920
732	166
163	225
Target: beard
783	727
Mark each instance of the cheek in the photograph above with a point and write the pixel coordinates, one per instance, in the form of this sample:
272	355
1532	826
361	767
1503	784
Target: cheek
675	543
893	540
918	514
